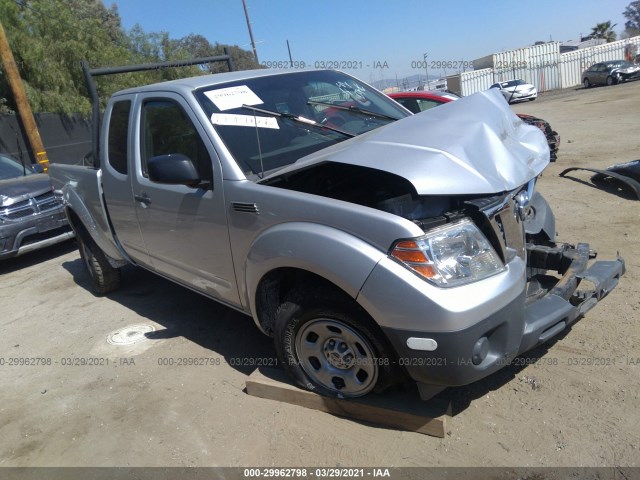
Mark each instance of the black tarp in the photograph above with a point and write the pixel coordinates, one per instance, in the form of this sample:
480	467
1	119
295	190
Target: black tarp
67	139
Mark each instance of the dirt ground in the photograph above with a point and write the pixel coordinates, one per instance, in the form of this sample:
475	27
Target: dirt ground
132	407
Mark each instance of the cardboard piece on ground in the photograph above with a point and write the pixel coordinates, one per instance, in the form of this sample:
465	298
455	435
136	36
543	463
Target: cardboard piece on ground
398	410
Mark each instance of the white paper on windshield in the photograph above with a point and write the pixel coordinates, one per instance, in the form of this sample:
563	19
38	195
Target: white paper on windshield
233	97
244	120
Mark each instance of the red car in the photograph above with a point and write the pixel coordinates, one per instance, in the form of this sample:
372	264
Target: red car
420	101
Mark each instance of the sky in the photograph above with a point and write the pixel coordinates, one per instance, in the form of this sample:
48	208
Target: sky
377	39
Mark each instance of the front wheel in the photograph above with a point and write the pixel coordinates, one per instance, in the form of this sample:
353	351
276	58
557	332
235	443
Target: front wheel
586	83
329	345
611	81
104	277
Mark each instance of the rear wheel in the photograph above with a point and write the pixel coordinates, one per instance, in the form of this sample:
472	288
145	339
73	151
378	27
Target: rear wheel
104	277
586	83
328	344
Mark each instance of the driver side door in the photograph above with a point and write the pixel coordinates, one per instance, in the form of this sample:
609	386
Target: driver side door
184	228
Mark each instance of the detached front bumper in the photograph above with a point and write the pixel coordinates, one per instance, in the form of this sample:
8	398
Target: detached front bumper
437	359
579	289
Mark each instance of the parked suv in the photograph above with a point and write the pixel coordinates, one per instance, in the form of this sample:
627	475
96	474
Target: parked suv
31	216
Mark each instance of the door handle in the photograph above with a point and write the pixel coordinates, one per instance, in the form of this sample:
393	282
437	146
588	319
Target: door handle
142	199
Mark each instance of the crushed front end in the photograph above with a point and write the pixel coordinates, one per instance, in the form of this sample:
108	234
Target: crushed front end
457	335
562	282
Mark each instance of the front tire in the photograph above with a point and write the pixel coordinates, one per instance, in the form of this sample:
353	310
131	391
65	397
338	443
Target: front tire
611	81
104	277
328	344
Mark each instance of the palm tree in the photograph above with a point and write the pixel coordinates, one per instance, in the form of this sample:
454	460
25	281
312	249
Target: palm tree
604	30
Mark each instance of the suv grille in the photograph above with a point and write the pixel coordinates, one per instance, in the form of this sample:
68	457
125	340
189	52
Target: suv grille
32	206
46	201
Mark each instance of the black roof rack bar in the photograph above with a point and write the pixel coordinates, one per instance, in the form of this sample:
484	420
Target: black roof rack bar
157	66
89	73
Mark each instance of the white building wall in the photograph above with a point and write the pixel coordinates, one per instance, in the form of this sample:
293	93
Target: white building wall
475	81
537	65
542	65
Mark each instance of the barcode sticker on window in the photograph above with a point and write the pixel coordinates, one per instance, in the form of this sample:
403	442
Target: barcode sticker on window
233	97
230	119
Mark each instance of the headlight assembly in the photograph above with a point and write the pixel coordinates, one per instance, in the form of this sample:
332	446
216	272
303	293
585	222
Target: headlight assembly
450	256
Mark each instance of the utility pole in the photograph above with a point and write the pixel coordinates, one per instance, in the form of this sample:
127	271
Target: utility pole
426	67
22	103
253	44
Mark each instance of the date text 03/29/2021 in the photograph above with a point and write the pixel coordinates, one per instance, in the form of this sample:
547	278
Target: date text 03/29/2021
315	472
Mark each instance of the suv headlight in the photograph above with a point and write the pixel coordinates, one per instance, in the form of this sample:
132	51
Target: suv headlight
450	256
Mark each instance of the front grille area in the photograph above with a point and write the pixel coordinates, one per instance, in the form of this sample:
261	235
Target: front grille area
502	225
46	201
32	206
16	213
510	230
22	203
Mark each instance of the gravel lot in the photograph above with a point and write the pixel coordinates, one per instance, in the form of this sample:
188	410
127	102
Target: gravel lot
81	401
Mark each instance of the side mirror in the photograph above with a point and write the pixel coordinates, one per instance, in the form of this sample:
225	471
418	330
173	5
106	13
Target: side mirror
37	168
174	169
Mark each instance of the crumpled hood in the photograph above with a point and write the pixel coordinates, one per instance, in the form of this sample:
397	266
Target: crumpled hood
627	70
17	189
475	145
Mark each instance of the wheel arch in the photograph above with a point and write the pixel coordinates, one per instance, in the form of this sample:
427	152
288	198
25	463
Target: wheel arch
304	253
275	286
320	301
81	219
83	225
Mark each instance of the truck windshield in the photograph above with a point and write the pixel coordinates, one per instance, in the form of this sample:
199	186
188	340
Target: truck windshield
261	142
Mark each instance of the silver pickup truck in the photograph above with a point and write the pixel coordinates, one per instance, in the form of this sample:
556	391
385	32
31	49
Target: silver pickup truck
373	245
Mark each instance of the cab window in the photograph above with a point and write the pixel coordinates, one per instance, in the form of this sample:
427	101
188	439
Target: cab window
166	129
118	136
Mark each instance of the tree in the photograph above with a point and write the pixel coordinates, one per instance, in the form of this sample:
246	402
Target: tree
632	14
193	46
604	30
51	38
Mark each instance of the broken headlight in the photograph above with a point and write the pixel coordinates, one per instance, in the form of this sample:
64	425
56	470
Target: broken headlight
450	256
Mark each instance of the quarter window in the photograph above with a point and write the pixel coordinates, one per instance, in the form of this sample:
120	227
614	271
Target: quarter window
118	136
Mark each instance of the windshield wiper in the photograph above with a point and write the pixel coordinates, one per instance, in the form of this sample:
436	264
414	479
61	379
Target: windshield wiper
300	119
359	110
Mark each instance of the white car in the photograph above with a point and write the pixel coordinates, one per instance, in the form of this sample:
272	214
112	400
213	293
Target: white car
516	90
